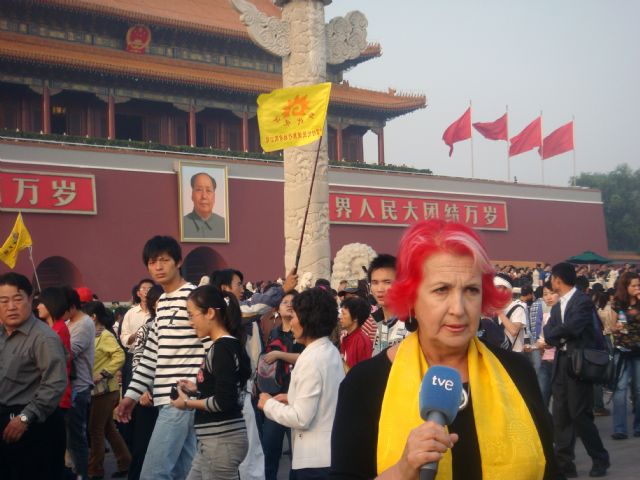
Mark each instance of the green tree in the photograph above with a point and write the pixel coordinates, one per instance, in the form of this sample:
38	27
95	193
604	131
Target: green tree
621	198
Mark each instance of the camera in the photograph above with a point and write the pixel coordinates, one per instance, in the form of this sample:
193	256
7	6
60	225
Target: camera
173	395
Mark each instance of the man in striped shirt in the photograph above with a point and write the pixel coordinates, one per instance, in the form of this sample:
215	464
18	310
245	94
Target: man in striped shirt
172	352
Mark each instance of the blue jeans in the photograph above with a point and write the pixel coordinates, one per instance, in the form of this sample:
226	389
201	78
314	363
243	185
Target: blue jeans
630	372
544	380
272	437
77	442
172	445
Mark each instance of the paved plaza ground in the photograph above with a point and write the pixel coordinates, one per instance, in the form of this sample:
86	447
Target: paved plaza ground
624	455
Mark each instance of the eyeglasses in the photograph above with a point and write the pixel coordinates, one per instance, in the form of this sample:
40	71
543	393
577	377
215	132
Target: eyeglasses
144	289
286	304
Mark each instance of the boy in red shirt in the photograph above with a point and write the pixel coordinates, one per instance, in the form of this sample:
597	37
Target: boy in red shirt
355	346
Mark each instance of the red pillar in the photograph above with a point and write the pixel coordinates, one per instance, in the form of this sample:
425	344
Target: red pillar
380	133
111	118
89	124
46	110
192	125
24	115
245	131
339	157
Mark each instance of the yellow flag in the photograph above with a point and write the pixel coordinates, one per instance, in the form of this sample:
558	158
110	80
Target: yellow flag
290	117
18	239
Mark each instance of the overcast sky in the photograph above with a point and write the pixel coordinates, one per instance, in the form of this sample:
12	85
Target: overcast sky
562	57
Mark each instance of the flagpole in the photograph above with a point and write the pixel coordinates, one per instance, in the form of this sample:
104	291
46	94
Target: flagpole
573	136
306	213
35	273
541	149
471	138
508	157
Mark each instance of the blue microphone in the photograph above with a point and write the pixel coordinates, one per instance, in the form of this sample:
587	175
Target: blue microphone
440	396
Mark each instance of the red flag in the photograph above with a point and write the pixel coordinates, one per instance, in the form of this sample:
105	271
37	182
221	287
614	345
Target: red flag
527	139
557	142
458	130
493	130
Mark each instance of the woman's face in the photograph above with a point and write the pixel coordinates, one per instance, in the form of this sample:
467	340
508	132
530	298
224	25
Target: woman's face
346	320
448	303
286	309
43	313
199	321
634	288
296	328
549	297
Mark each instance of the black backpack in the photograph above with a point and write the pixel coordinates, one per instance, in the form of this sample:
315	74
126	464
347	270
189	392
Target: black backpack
491	331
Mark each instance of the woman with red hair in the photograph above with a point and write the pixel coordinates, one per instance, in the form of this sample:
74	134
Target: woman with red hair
444	284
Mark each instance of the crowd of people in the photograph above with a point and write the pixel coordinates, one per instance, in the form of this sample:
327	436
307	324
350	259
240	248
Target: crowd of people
206	381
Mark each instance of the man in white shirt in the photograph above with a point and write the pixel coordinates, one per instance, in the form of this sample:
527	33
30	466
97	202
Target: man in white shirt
571	326
514	317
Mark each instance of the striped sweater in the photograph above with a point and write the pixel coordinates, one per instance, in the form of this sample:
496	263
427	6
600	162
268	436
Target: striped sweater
172	351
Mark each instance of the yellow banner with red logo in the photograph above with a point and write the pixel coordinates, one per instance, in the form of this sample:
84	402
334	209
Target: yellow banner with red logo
290	117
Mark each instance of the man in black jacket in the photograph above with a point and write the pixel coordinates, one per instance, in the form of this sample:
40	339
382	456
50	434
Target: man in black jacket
571	326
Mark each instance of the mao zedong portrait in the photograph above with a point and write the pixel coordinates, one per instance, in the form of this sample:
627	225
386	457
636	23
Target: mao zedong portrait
202	222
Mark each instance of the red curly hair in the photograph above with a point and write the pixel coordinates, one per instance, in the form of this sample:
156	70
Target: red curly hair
426	238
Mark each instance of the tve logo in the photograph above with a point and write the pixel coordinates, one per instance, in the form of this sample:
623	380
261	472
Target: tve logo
442	382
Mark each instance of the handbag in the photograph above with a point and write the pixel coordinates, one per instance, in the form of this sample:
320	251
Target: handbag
591	365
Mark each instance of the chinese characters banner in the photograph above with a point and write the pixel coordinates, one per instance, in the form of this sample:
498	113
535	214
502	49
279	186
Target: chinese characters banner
361	209
47	192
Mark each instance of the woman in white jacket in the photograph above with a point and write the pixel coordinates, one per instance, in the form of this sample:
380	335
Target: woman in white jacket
310	405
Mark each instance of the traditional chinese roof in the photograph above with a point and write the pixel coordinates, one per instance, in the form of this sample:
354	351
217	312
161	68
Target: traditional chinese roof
203	16
206	16
86	58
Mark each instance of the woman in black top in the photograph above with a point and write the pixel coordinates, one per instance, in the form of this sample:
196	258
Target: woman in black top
444	283
220	427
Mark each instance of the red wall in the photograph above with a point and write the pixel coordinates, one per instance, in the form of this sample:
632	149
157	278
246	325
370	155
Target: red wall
133	206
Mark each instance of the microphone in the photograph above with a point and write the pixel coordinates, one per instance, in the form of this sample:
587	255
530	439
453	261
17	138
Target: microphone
440	396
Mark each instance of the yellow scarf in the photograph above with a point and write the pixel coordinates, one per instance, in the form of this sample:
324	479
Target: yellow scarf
509	443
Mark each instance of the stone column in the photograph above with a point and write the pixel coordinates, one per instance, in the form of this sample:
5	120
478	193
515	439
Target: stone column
46	110
306	65
111	117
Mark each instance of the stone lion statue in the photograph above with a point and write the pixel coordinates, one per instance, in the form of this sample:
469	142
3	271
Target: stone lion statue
348	263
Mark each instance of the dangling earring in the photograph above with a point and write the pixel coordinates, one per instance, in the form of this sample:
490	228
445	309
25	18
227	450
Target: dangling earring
411	323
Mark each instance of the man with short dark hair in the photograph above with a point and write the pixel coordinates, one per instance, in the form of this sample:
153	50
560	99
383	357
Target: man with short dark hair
172	352
202	222
571	326
33	377
389	330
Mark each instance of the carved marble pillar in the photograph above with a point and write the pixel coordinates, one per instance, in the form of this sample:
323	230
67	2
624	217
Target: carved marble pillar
306	45
46	109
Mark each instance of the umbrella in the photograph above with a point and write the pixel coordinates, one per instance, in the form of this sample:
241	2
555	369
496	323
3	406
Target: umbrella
587	257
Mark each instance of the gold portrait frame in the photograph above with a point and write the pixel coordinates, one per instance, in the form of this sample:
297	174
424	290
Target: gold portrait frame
192	228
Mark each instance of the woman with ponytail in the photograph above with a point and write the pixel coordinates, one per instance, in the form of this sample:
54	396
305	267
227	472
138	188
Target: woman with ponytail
218	395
